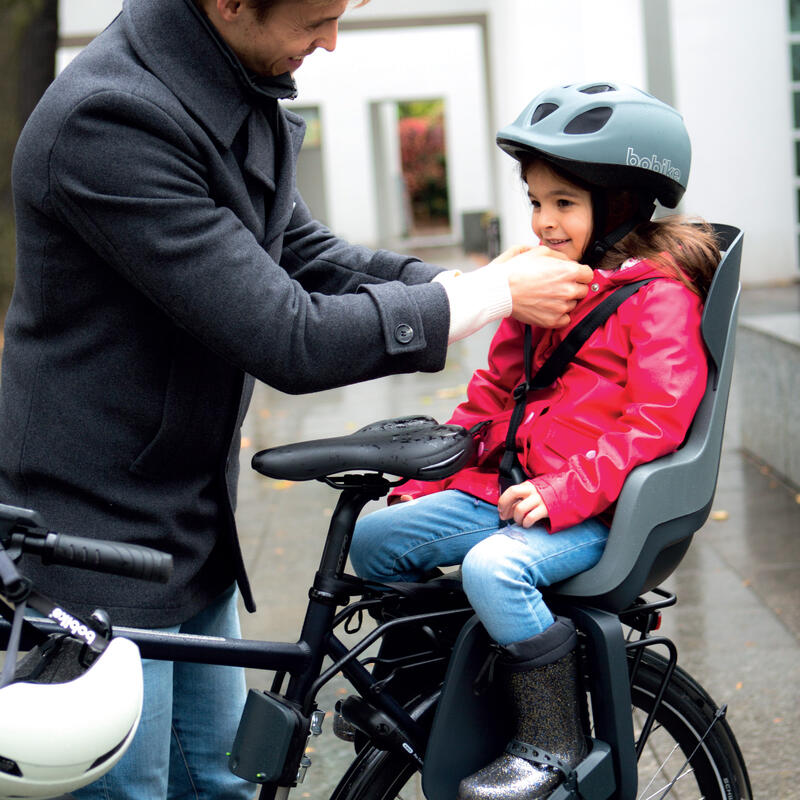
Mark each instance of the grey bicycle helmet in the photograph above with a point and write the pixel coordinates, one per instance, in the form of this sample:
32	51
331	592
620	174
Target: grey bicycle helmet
608	135
611	138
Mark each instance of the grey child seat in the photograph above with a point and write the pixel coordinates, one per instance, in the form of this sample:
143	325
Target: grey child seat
664	502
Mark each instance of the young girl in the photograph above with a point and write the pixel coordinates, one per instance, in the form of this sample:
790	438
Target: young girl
595	158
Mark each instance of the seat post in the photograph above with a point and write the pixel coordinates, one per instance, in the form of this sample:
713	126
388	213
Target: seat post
357	491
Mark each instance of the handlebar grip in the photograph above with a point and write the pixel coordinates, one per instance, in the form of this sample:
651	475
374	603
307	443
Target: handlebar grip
130	560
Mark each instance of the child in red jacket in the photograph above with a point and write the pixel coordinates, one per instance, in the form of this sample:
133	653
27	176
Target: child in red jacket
595	157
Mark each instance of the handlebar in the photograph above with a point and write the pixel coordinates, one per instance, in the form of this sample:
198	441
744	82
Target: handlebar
128	560
24	531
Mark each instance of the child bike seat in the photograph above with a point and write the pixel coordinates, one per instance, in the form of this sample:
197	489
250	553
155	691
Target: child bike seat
665	501
409	447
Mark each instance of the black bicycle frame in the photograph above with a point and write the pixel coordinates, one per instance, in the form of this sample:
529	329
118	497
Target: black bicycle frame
302	661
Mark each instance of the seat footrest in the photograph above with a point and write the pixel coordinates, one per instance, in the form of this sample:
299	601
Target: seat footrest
595	775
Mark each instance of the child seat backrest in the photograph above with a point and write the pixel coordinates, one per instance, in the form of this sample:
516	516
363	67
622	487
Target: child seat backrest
665	501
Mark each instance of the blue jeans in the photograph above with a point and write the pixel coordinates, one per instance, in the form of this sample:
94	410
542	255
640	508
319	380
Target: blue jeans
189	720
501	565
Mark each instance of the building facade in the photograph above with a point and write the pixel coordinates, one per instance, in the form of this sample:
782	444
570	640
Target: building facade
731	67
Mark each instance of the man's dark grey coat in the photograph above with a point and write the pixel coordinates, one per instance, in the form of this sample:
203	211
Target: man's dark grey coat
164	258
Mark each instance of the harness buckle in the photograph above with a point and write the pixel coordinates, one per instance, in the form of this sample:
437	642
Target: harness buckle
521	391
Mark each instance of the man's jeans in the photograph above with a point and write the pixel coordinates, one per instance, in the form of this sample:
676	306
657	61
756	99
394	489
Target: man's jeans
501	565
189	720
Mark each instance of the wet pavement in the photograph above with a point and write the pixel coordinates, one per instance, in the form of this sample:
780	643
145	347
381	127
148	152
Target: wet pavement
737	621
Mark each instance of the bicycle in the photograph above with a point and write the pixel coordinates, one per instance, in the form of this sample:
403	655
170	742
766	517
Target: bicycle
653	730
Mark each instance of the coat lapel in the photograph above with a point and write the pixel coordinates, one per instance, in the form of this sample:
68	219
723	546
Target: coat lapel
259	163
271	161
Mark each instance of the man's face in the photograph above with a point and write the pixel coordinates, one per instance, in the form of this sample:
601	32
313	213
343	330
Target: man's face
292	30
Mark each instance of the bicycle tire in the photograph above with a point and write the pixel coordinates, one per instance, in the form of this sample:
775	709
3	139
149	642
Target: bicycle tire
382	774
689	718
687	725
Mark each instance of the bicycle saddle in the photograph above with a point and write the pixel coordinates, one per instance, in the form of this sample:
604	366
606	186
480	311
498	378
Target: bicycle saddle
409	447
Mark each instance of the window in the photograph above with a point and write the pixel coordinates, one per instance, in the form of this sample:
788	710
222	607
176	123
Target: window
794	65
310	114
794	16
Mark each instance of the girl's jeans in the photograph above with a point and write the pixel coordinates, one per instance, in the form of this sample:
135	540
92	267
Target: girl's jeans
501	565
189	720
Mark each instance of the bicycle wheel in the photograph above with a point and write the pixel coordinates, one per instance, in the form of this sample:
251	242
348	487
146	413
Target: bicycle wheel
690	752
380	775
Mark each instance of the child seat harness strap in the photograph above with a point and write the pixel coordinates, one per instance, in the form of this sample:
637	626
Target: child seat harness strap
511	471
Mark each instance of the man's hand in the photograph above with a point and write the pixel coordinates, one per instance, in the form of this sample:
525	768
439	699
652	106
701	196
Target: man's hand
545	286
522	503
508	254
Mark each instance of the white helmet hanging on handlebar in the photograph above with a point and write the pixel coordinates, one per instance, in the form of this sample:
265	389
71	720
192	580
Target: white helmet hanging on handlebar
64	723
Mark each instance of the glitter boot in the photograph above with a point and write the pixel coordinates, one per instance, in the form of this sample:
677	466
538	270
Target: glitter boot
540	679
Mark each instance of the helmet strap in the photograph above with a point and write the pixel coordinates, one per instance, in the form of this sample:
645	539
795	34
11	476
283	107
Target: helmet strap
597	249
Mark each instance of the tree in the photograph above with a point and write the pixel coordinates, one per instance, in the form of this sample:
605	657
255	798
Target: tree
28	40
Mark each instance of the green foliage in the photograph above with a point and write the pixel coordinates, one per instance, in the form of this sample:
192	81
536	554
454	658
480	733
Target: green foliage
424	160
427	109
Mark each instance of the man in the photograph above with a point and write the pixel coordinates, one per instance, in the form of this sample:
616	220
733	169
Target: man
165	261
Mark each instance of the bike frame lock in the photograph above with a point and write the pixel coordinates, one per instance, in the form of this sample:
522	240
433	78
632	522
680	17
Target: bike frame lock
270	740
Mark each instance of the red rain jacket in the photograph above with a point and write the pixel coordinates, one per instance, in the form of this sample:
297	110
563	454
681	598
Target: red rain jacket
628	397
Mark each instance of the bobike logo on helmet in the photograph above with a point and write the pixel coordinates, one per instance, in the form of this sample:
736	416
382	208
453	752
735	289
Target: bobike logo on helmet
74	626
653	162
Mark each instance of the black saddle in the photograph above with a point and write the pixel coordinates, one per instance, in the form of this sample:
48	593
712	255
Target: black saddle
409	447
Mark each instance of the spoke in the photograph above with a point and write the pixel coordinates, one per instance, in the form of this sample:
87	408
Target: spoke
665	783
661	763
669	787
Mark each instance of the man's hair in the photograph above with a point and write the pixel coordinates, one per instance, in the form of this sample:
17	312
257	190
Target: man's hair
263	7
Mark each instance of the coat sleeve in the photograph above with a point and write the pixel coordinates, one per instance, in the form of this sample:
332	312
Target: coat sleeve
135	185
667	371
322	262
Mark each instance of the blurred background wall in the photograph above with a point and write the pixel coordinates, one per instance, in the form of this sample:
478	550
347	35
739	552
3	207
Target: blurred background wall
402	118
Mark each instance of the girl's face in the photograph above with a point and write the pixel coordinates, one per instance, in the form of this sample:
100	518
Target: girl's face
562	212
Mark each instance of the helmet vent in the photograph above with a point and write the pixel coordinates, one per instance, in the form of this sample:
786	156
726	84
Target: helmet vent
10	767
589	121
541	111
598	88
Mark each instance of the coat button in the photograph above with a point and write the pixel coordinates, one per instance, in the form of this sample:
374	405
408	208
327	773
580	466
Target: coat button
595	287
403	333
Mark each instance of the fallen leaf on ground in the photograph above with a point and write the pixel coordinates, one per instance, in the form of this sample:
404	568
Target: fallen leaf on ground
451	391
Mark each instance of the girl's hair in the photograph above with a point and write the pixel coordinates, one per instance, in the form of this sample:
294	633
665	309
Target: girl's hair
683	248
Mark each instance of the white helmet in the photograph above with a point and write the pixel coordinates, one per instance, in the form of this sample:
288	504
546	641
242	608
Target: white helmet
62	724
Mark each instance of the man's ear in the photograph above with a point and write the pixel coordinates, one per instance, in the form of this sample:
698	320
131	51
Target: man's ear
228	10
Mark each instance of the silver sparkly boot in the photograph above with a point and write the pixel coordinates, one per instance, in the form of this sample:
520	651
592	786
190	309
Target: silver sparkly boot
540	679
